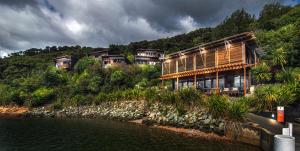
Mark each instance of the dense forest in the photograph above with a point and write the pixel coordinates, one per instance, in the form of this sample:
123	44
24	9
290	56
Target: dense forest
30	77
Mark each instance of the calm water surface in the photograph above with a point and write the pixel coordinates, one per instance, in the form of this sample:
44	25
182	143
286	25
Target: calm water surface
99	135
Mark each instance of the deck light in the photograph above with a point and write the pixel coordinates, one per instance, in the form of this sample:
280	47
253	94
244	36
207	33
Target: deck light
202	50
227	44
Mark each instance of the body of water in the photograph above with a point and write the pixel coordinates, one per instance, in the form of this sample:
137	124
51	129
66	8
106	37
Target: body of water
99	135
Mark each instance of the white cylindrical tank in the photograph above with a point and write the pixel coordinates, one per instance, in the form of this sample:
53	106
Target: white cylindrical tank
284	143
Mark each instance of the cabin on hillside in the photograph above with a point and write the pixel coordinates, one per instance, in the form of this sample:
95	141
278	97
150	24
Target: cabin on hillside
148	56
98	54
222	66
113	60
65	62
108	59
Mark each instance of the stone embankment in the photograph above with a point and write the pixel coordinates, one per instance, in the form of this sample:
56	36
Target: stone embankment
151	114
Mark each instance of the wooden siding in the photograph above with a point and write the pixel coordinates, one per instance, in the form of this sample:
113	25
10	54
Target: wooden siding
210	58
166	69
173	66
223	56
236	54
200	61
189	62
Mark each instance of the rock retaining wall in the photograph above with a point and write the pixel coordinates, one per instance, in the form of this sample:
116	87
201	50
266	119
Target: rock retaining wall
196	118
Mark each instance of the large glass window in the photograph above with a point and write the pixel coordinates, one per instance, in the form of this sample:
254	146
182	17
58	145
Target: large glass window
200	83
207	83
237	81
221	83
214	83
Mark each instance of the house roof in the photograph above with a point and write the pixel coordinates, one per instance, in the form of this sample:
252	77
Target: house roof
241	36
100	51
142	49
64	56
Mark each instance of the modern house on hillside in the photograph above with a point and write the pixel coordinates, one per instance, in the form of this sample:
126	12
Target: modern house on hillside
148	56
65	62
113	60
108	59
99	54
222	66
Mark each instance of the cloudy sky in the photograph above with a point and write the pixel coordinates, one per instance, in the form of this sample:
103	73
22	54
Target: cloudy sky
38	23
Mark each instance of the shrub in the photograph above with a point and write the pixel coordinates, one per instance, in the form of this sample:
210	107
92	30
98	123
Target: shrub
237	110
290	75
78	100
152	95
54	77
167	97
180	107
101	97
83	64
217	104
41	96
268	96
5	95
262	73
94	84
58	104
189	96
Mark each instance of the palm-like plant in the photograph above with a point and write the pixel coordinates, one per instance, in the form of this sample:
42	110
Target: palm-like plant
278	57
262	73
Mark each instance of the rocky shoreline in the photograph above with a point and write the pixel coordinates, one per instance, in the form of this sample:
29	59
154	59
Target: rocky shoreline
153	114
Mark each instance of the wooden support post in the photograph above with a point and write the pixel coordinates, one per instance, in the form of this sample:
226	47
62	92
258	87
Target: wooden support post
249	79
184	63
169	67
204	60
176	64
177	83
229	55
217	81
245	81
195	81
194	62
243	52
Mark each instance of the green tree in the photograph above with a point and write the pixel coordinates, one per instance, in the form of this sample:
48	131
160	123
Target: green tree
270	15
83	64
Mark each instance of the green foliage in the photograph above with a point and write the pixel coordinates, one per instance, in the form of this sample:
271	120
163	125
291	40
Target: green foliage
168	97
78	100
291	75
238	22
217	105
83	63
101	97
41	96
189	96
268	96
281	45
262	73
54	77
118	78
237	110
94	84
5	94
152	95
268	17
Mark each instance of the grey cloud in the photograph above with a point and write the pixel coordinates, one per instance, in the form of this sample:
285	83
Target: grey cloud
37	23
